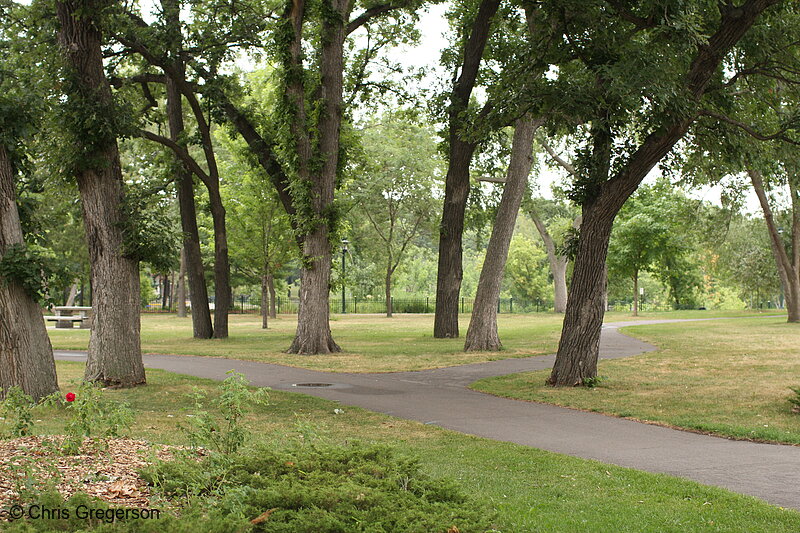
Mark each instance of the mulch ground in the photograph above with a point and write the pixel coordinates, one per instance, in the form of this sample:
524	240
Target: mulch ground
106	468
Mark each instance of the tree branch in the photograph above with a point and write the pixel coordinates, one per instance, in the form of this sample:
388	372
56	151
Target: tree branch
181	153
566	165
778	135
373	12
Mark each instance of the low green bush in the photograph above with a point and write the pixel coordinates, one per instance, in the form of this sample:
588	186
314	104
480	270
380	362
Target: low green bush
322	488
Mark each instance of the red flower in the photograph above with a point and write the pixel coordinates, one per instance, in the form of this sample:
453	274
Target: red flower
70	397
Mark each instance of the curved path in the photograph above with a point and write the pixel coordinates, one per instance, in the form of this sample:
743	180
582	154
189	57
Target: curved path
441	397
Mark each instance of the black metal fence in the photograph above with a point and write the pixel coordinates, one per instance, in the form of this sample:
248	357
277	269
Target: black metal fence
243	304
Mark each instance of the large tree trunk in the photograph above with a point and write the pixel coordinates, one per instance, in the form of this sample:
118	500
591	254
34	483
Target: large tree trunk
313	335
788	269
580	335
182	285
114	355
450	273
26	356
482	332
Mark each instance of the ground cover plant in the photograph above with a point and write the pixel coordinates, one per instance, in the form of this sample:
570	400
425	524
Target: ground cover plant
528	489
731	378
371	343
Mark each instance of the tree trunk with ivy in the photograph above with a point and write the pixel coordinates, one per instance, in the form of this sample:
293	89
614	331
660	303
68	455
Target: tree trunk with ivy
317	166
26	356
482	332
114	355
451	230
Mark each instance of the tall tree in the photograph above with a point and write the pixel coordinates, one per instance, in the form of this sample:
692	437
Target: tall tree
788	262
482	332
162	46
88	113
191	260
461	149
26	356
608	56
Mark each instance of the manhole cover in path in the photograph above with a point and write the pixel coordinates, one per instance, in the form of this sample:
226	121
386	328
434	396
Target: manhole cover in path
312	385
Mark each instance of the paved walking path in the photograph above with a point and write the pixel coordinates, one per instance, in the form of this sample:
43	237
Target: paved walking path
441	397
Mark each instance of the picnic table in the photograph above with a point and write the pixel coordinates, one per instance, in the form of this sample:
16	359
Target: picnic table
66	315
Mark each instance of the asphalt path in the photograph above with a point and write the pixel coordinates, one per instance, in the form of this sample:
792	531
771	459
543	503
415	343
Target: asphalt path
441	397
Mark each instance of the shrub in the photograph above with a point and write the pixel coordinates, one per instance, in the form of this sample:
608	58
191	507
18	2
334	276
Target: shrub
323	488
223	433
17	409
90	414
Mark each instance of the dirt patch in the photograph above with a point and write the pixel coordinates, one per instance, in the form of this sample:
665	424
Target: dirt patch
105	468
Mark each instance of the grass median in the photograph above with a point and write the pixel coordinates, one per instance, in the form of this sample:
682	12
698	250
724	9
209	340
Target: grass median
728	377
532	490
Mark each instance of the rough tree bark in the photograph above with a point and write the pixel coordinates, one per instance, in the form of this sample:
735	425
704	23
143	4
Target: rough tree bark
578	350
313	335
451	229
788	268
26	356
482	332
114	355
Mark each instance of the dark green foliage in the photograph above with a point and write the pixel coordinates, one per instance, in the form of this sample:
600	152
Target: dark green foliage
149	232
325	489
34	268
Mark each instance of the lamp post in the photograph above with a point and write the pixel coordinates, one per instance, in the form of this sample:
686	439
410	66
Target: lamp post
345	242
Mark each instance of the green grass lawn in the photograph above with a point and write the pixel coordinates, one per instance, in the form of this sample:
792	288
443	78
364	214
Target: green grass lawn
532	490
730	378
370	343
